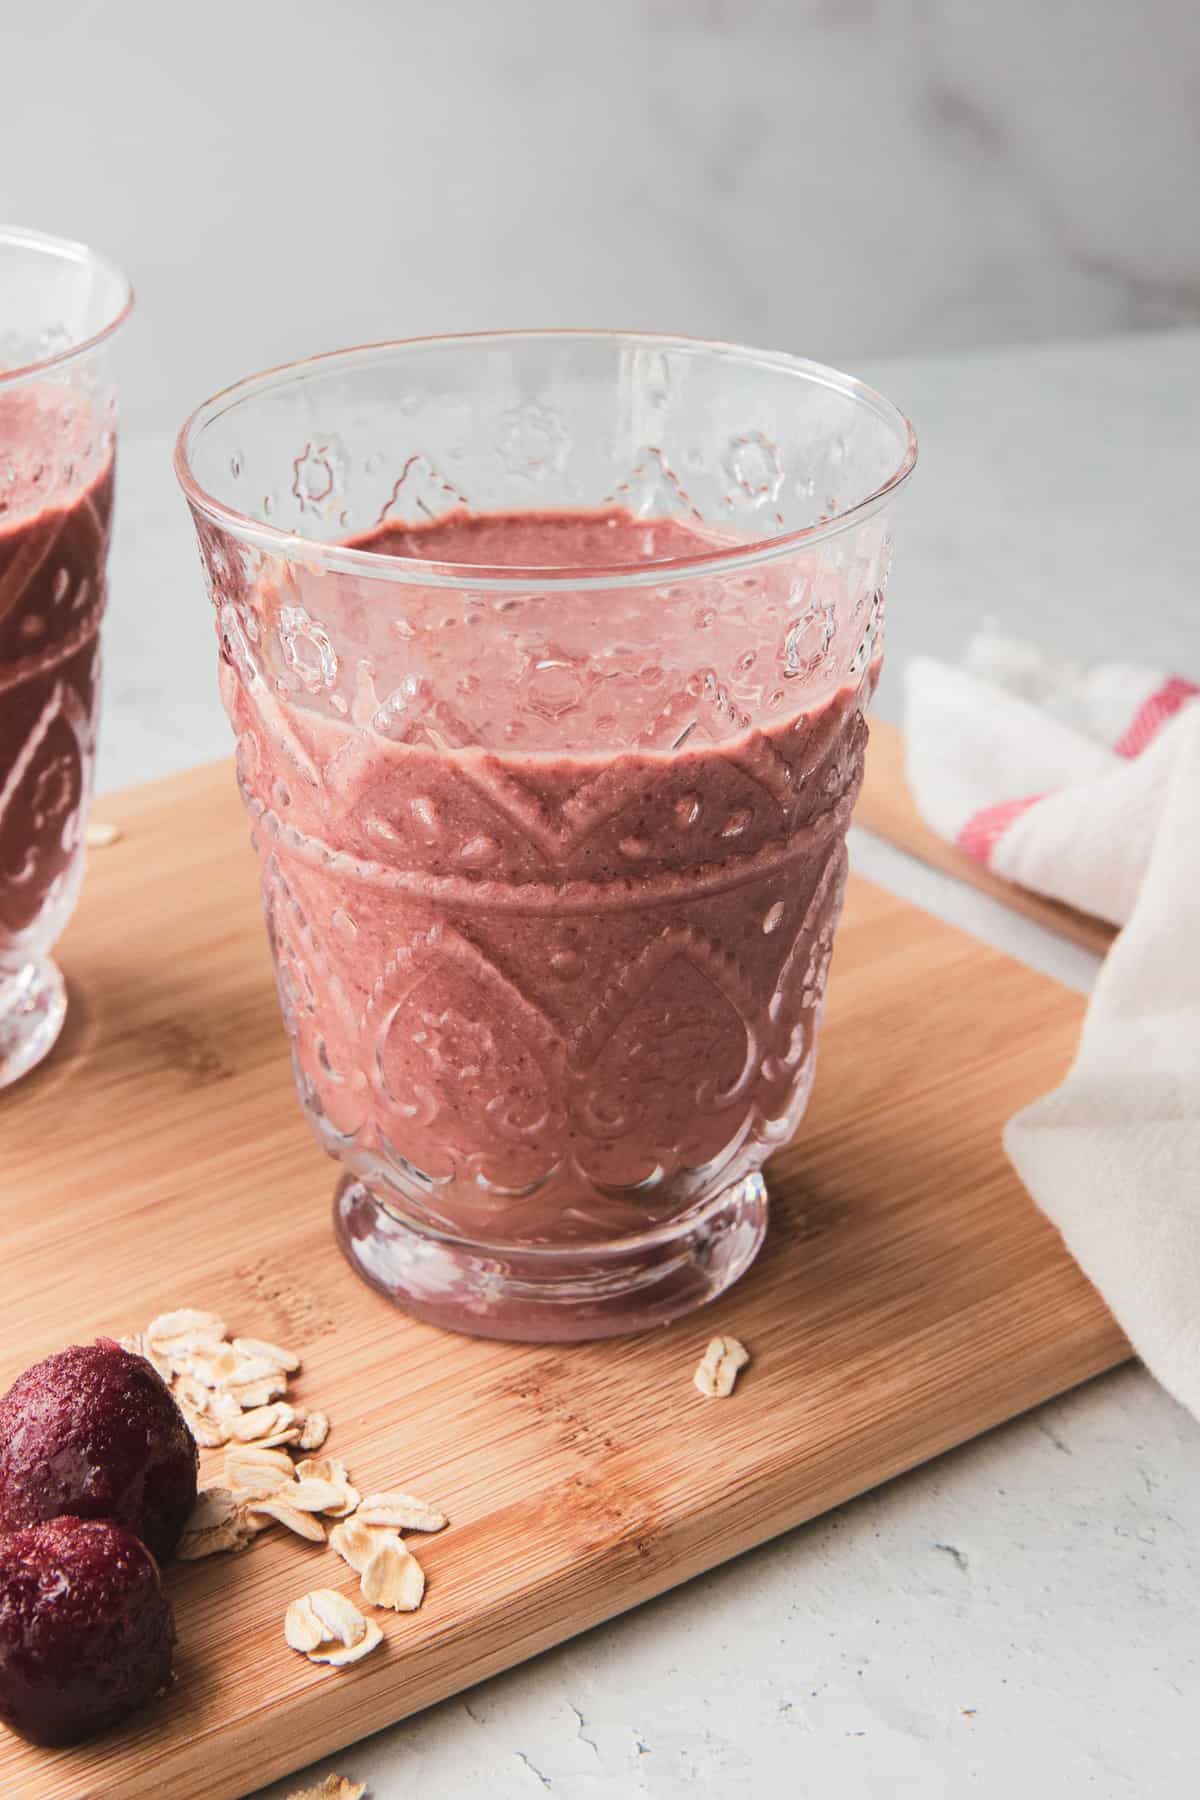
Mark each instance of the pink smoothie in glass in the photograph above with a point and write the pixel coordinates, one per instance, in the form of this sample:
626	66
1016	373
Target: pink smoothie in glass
56	482
560	988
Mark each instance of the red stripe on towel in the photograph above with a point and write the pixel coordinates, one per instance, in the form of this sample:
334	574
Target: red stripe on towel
984	829
1153	714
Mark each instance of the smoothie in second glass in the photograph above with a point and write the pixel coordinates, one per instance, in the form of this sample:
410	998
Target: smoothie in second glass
60	306
55	518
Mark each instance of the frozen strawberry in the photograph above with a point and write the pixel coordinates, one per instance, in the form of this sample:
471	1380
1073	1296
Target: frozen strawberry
94	1431
86	1632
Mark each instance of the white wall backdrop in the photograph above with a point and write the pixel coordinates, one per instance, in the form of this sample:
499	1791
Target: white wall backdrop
847	178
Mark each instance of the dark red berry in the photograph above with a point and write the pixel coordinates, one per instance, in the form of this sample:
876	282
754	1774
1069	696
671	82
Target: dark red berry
86	1632
94	1431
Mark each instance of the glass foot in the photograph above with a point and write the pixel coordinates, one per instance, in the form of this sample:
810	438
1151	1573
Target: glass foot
33	1005
553	1296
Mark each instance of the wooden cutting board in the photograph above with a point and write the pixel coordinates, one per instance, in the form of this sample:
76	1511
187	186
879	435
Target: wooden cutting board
908	1297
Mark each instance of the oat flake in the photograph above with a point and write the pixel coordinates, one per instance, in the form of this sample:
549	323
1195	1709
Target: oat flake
719	1368
277	1506
334	1787
258	1349
302	1628
404	1512
314	1431
340	1617
393	1578
338	1659
356	1543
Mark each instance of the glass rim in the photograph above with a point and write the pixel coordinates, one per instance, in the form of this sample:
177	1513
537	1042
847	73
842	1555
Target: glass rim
412	571
67	250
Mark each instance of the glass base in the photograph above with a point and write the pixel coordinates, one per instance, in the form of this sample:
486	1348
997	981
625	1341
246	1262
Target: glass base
553	1296
33	1005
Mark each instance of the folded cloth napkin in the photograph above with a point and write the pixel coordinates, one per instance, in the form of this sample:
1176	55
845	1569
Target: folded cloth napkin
1085	784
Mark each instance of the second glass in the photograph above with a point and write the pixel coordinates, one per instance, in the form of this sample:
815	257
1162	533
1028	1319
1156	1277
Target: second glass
60	305
547	656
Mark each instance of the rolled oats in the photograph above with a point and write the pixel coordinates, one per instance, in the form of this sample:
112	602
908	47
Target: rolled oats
192	1393
356	1543
301	1627
255	1484
323	1468
233	1536
214	1506
217	1523
393	1578
233	1395
248	1395
179	1354
718	1371
340	1617
277	1506
245	1463
334	1787
210	1434
404	1512
268	1425
254	1368
225	1407
332	1470
338	1659
259	1350
186	1322
312	1496
214	1365
314	1431
211	1403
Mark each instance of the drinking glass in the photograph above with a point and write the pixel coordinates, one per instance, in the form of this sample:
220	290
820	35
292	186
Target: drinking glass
60	305
551	839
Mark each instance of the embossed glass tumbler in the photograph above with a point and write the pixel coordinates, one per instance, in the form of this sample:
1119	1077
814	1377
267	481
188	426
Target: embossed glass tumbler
59	307
547	655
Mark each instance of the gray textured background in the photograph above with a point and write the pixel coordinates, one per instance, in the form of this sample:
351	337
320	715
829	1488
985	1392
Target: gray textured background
844	178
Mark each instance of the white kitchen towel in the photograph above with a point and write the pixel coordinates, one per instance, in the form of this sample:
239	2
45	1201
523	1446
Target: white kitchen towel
1086	785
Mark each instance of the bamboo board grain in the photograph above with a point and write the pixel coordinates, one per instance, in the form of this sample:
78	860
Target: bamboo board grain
908	1297
886	807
